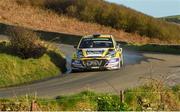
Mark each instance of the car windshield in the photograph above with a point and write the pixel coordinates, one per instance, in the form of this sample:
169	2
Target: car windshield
96	43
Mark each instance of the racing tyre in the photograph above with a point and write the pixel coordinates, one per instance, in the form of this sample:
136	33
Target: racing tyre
120	64
74	71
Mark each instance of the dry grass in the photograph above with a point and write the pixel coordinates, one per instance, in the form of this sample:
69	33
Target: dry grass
36	18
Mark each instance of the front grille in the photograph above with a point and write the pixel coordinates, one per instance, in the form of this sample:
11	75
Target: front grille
94	62
94	52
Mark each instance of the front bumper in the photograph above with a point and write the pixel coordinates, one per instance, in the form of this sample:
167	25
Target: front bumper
95	63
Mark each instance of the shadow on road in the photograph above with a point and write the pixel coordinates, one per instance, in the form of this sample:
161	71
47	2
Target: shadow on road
147	59
175	66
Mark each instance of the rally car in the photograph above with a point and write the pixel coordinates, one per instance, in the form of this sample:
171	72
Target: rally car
97	52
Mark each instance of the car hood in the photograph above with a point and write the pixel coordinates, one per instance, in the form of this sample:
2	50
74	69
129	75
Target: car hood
95	52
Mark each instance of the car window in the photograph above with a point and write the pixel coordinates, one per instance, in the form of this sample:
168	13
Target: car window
96	43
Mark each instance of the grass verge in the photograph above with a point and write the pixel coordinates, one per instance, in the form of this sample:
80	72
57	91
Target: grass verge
15	70
170	49
154	96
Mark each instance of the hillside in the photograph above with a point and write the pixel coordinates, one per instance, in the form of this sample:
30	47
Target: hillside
37	15
174	19
111	15
40	19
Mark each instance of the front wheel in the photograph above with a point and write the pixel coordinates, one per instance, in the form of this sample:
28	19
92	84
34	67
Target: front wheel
120	62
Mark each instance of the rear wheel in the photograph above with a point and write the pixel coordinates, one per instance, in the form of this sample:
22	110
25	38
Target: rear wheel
76	70
73	71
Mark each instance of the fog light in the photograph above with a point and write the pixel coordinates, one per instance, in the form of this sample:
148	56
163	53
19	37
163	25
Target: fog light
76	62
113	60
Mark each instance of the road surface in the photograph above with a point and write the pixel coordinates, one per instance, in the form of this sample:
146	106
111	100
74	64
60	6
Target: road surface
138	67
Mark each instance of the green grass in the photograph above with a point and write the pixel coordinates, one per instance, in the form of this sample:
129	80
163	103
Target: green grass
135	99
80	101
175	19
15	70
170	49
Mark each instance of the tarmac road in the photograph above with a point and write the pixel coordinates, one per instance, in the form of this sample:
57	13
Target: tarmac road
138	67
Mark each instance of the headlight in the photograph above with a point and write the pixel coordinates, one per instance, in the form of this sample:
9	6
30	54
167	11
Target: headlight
111	53
74	62
114	60
79	53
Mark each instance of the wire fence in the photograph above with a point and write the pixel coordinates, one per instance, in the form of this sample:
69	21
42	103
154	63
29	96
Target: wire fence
140	98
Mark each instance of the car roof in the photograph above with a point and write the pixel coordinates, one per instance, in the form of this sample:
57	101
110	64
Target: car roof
98	35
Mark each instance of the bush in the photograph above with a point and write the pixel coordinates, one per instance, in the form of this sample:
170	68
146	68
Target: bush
25	43
115	16
152	96
31	2
110	103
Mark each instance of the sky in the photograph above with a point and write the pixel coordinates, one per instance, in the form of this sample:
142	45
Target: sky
155	8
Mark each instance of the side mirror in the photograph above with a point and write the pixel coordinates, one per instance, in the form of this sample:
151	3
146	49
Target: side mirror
118	46
75	46
120	49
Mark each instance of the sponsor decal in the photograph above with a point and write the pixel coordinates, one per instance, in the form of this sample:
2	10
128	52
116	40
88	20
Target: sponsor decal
94	63
94	52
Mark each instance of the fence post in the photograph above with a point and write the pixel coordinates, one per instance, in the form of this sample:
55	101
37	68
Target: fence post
33	106
121	96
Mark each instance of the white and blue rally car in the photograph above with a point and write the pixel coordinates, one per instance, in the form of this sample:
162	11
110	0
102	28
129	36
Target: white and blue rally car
97	52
